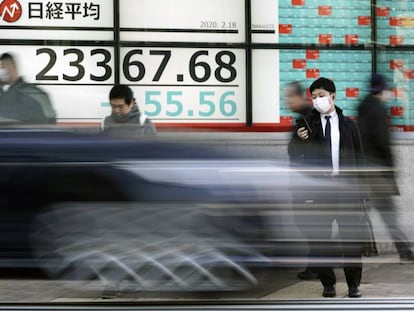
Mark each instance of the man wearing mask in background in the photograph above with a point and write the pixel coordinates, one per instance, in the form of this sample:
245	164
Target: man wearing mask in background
297	103
126	120
333	143
373	126
22	102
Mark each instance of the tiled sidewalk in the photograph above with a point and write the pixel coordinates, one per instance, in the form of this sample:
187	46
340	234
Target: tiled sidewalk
383	277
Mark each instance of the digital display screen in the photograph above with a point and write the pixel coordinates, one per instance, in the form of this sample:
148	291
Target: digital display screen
311	21
187	60
398	67
395	22
171	85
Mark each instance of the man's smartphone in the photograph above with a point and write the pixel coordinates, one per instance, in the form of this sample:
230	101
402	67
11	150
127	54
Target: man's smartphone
307	124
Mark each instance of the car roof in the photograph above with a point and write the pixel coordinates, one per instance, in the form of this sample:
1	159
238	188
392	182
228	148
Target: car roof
55	145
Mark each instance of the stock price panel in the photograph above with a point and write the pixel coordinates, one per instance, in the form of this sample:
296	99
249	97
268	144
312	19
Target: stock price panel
181	85
171	85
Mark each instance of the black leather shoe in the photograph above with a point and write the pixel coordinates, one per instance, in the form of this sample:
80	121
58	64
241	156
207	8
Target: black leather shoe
307	275
354	292
329	291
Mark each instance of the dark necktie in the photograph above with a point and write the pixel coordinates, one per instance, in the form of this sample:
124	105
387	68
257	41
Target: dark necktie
328	139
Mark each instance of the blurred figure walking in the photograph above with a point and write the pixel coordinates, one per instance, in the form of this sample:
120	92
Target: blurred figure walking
297	103
22	102
373	127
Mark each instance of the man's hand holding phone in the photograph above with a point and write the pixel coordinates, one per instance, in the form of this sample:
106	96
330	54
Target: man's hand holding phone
303	133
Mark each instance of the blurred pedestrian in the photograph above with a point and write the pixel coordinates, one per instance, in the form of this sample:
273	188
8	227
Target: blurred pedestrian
126	120
332	143
297	103
373	126
22	102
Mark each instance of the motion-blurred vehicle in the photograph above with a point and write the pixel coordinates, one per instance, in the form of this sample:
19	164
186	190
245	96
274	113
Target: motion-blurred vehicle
147	215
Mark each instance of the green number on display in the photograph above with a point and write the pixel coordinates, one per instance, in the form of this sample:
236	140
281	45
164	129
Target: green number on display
174	102
228	107
174	107
210	104
150	101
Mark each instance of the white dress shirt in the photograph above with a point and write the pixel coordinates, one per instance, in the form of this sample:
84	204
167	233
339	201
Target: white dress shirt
335	137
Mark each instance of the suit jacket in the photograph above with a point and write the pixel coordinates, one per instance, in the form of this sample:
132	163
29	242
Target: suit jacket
348	187
313	150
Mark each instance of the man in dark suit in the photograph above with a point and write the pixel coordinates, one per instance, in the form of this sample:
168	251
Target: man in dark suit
373	125
331	142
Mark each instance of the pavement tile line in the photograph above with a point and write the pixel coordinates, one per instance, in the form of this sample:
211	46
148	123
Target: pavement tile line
379	280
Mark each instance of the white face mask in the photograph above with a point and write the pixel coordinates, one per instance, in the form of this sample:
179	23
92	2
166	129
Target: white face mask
321	104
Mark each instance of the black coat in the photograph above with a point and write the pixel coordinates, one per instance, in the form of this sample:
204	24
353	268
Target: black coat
312	152
373	126
350	186
294	150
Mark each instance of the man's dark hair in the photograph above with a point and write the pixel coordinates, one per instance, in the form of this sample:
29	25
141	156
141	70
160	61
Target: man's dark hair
7	56
296	87
121	91
323	83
